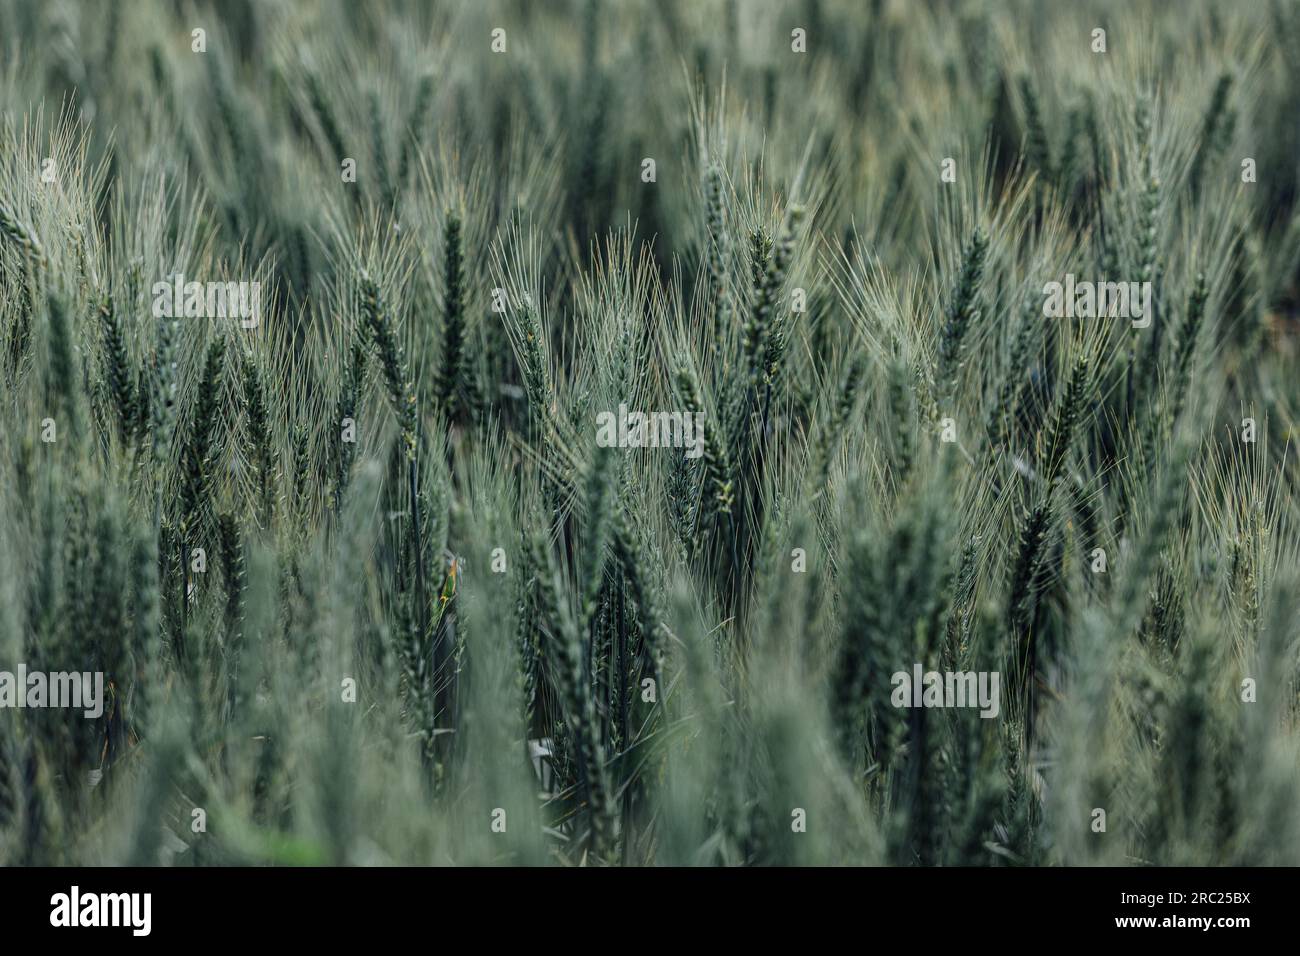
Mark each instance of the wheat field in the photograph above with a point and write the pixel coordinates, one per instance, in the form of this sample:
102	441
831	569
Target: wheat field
501	432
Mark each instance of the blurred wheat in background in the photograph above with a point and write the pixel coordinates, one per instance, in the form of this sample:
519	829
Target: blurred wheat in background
365	587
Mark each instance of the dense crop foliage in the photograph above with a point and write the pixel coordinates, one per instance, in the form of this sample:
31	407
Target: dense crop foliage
366	586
